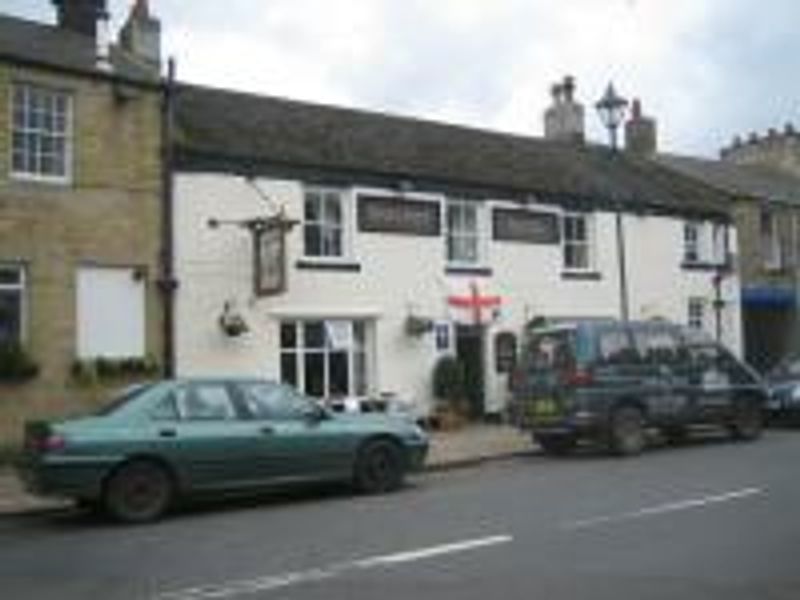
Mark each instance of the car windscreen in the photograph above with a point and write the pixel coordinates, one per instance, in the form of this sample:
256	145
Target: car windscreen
122	398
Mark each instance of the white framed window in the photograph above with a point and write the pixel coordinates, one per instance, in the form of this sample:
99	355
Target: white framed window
770	240
12	303
691	242
41	138
578	237
695	317
326	358
464	226
325	224
111	312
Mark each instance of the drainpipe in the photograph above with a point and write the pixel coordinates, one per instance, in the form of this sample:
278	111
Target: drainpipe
622	268
167	283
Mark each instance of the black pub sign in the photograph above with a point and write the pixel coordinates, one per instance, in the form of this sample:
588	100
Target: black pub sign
517	225
393	214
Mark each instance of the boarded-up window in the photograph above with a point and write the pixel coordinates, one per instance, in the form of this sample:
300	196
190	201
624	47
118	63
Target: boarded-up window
111	312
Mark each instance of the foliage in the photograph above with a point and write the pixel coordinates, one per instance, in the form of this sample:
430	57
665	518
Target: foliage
448	381
15	363
103	368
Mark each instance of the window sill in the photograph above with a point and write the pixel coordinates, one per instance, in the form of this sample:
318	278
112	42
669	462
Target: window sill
468	270
40	179
702	266
581	275
328	265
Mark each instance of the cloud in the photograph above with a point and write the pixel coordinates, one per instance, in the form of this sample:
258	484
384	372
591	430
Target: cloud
706	70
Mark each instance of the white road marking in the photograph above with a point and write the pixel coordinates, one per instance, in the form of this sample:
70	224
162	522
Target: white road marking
262	584
666	508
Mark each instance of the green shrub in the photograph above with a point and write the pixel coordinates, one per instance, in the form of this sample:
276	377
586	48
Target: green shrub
448	381
15	363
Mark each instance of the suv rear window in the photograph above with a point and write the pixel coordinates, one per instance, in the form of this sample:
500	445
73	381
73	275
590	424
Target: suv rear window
552	350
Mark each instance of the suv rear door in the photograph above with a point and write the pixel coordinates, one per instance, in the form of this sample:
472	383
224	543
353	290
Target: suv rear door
661	366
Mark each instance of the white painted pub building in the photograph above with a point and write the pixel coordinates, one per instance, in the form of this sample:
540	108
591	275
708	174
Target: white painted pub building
344	251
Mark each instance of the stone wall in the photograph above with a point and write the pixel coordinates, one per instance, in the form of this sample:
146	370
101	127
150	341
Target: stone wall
108	215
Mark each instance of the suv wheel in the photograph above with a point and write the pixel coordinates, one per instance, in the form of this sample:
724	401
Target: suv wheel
558	444
747	420
626	431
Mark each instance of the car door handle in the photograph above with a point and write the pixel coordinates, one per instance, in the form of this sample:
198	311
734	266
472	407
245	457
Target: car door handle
267	430
168	433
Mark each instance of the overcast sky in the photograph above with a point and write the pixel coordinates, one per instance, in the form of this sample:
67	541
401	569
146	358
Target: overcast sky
706	69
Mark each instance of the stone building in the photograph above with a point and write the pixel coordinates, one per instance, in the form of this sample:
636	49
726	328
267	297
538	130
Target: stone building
80	204
763	177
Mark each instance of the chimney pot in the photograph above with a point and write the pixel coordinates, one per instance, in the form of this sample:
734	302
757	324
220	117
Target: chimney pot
641	138
564	119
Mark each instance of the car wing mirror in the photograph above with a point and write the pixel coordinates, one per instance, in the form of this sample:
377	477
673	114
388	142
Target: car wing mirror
316	413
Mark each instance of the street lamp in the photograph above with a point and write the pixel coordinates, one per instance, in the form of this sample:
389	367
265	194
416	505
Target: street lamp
611	109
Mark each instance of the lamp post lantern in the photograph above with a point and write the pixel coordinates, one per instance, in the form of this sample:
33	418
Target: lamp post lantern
611	109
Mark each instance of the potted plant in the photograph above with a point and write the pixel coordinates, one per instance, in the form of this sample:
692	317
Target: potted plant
449	391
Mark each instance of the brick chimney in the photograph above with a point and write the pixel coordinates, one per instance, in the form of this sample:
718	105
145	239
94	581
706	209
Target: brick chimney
564	119
640	132
141	35
81	16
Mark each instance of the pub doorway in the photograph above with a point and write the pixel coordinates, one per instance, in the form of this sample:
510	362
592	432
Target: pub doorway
470	352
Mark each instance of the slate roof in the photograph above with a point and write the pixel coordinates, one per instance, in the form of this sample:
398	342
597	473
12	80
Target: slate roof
231	131
748	181
45	45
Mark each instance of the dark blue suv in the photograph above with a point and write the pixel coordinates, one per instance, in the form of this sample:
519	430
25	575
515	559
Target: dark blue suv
609	381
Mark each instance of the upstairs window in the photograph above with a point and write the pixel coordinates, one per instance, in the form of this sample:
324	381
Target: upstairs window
770	241
41	133
463	232
12	303
691	243
704	243
578	253
324	224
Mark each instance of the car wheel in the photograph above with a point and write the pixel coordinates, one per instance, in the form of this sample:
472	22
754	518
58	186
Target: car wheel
556	444
379	467
626	431
138	492
747	421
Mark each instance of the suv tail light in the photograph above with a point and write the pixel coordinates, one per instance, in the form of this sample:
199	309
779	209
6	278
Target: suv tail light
40	438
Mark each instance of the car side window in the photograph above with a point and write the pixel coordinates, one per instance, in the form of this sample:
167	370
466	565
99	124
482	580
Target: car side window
657	346
273	401
205	402
165	409
614	348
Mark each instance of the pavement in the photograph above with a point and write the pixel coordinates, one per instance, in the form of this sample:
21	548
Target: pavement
711	520
465	447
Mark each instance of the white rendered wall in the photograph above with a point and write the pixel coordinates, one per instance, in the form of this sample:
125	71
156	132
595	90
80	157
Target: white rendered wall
400	275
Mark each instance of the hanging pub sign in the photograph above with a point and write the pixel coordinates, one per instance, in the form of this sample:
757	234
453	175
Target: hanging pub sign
517	225
505	352
269	241
398	215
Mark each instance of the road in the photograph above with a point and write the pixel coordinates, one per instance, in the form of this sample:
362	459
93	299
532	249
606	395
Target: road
710	520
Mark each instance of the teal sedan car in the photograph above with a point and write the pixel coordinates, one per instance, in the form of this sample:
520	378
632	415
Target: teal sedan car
156	442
